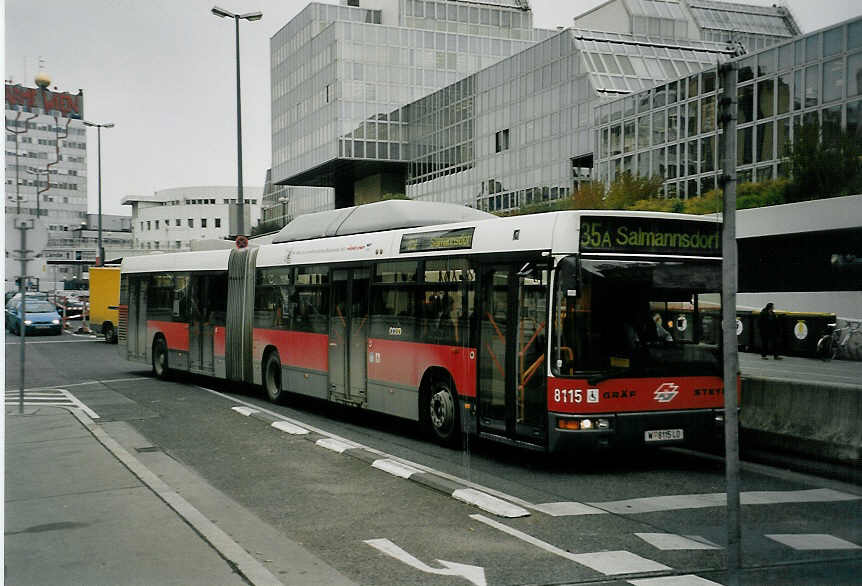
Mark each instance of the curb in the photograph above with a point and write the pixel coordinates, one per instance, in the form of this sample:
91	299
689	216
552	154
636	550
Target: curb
237	557
391	465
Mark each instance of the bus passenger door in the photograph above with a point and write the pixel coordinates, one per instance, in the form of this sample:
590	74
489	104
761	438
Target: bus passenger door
512	347
348	335
201	323
358	362
138	316
338	332
495	349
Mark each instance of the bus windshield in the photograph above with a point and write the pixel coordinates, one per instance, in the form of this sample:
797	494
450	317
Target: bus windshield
637	317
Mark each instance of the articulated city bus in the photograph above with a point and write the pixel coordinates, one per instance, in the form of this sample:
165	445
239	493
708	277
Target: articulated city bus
550	331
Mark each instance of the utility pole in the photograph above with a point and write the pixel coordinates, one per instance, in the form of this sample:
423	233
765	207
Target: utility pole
727	103
23	226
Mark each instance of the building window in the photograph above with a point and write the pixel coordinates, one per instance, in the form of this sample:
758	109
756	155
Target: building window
157	224
502	140
191	222
149	225
178	222
218	222
203	222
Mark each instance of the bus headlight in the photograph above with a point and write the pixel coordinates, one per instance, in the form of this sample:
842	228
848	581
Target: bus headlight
56	322
28	322
571	424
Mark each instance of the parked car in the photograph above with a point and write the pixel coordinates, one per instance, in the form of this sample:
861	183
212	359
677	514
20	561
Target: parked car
41	317
74	306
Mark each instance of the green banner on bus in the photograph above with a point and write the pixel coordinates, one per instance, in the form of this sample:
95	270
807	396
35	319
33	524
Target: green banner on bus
650	236
437	240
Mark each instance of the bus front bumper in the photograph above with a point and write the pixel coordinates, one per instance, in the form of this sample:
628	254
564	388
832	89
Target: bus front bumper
572	433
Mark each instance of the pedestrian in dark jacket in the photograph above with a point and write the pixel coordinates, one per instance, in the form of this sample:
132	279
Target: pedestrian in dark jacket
768	323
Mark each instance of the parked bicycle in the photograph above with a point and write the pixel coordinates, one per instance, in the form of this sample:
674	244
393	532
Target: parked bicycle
835	343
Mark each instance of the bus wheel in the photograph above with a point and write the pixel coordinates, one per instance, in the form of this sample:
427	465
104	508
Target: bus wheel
109	332
442	412
272	378
160	359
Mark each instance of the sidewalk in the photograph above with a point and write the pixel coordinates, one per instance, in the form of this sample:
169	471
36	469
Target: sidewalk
74	514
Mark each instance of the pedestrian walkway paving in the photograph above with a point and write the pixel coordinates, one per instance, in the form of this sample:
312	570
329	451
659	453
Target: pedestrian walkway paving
75	515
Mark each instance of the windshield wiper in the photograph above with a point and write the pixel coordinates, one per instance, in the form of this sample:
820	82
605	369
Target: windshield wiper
603	376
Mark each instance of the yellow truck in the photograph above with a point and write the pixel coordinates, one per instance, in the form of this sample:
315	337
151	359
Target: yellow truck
104	299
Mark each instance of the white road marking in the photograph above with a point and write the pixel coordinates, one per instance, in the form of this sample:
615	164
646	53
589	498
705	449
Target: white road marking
334	444
394	468
568	509
288	427
686	580
49	398
719	499
474	574
243	410
671	541
94	382
420	467
489	503
810	541
609	563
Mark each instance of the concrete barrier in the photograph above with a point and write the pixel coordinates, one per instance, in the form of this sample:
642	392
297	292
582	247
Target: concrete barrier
814	420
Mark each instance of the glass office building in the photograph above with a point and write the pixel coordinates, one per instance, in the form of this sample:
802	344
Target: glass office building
476	107
340	75
752	27
671	130
521	131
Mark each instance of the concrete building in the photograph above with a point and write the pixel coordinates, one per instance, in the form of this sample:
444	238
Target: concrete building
46	171
340	75
171	218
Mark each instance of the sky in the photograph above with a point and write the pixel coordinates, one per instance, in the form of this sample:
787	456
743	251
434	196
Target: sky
163	71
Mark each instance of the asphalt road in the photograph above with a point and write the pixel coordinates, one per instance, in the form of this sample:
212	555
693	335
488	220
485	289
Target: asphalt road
617	518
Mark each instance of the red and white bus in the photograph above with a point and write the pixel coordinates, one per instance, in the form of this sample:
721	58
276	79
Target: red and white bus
550	331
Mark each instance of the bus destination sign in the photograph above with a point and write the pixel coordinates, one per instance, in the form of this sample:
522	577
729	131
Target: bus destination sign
438	240
650	236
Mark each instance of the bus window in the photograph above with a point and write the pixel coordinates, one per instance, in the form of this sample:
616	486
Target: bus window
182	298
312	300
393	300
216	297
634	315
272	294
445	315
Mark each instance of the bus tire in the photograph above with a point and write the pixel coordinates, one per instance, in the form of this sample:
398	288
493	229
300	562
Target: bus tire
109	332
441	412
161	369
271	377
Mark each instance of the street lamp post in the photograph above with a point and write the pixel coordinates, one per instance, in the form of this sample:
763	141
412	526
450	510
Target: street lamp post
251	17
99	127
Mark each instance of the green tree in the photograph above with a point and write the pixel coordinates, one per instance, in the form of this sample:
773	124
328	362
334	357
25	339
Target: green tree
266	227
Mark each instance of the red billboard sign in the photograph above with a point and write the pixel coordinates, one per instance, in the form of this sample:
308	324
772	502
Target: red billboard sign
23	98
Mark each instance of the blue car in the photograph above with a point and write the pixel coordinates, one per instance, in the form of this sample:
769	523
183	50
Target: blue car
42	317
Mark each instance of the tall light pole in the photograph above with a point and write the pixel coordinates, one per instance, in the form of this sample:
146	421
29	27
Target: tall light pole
99	127
250	16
